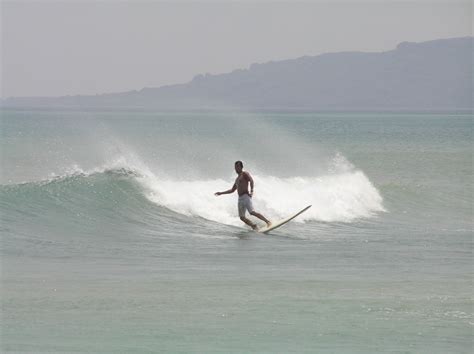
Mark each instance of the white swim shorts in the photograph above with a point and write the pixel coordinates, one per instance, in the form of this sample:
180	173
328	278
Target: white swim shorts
245	203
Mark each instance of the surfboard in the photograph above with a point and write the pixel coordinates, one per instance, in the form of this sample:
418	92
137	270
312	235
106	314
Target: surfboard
282	222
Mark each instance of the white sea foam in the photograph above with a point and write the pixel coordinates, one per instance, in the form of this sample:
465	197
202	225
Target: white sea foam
344	194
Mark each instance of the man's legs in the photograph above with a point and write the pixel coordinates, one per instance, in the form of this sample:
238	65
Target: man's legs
248	222
245	203
242	206
249	207
261	217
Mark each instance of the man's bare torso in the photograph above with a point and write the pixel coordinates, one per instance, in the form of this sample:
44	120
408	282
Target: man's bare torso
242	183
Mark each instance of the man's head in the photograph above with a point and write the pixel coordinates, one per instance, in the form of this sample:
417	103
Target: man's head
238	166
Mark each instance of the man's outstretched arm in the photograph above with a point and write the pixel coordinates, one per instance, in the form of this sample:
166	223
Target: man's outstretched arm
229	191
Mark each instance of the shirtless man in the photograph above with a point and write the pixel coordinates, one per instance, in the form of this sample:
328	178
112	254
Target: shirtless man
245	198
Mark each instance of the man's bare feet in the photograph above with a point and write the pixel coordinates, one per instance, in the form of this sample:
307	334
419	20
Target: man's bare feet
254	227
269	223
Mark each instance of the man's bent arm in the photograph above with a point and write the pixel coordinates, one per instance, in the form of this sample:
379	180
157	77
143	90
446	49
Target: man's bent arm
251	181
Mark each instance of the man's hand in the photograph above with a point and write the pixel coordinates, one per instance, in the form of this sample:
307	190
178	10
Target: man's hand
251	194
217	194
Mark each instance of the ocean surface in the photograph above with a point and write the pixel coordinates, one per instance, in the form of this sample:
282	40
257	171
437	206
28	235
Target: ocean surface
112	240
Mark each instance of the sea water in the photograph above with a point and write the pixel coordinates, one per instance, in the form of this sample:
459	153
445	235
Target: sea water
113	241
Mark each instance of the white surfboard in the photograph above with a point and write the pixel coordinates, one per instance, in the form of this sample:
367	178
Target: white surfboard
282	222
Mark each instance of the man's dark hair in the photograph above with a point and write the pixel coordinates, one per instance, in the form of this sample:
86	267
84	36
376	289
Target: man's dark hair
239	163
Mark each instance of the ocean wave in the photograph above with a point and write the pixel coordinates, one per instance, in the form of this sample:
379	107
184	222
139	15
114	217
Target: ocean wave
344	194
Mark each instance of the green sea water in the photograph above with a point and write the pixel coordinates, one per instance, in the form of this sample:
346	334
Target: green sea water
113	242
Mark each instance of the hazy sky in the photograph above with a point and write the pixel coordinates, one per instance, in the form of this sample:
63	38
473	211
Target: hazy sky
88	47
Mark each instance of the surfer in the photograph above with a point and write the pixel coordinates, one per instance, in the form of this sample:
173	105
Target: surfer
245	197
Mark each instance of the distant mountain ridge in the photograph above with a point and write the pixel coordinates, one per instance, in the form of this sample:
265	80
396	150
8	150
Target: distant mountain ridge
432	75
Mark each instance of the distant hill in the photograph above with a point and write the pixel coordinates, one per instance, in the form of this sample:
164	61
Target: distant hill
433	75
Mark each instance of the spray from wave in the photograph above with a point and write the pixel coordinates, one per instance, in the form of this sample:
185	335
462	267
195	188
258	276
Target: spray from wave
178	164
